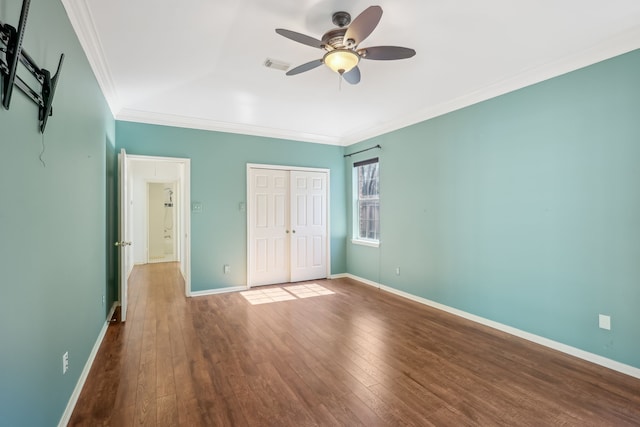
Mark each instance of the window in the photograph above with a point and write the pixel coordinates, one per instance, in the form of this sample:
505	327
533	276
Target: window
367	201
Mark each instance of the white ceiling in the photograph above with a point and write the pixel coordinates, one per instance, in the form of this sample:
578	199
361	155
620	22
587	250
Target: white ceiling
199	63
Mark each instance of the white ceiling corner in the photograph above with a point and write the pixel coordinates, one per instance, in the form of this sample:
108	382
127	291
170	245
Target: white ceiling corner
80	18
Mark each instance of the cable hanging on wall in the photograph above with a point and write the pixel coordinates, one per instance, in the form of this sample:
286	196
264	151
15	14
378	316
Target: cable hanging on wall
362	151
12	54
40	157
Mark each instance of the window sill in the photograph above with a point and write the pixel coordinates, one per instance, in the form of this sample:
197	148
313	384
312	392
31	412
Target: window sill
362	242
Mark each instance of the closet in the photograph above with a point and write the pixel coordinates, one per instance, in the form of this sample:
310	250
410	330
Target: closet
287	224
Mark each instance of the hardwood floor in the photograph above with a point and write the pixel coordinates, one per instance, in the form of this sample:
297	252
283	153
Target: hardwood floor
358	357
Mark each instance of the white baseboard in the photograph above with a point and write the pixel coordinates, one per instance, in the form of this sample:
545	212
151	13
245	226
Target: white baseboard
218	291
66	415
564	348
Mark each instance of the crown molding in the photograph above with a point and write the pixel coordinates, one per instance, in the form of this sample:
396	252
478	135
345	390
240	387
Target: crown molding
84	26
623	43
154	118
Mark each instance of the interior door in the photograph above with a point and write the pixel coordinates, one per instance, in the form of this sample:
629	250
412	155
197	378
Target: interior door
308	225
269	223
124	242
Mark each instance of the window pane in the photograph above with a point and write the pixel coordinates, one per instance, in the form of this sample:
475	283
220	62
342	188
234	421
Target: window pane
368	180
367	205
369	219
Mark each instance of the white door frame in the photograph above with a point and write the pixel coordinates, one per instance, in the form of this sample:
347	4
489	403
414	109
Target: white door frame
183	213
251	166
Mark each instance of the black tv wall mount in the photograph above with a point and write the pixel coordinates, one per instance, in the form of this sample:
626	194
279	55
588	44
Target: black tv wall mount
11	53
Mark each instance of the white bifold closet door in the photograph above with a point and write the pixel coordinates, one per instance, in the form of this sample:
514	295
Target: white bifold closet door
288	227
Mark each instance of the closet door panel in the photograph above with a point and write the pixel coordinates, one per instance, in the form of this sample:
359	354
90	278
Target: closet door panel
268	220
309	225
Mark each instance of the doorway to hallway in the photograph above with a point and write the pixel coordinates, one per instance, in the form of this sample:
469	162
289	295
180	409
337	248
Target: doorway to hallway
136	175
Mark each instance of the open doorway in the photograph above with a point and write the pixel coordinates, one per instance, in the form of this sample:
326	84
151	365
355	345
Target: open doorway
151	181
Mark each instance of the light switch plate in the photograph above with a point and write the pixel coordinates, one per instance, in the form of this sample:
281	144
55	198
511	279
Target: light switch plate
604	321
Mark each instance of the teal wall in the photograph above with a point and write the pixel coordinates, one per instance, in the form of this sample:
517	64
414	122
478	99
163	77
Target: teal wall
524	209
52	226
219	183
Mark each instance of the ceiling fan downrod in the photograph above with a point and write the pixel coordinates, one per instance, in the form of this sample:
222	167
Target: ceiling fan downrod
341	19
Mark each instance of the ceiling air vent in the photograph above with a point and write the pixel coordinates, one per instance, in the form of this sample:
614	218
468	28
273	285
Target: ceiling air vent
276	65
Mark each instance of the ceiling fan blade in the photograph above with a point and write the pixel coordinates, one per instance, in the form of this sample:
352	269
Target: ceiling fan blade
385	53
300	38
305	67
353	76
362	26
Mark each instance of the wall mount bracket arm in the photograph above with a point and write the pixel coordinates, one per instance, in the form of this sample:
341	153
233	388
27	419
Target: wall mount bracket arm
11	44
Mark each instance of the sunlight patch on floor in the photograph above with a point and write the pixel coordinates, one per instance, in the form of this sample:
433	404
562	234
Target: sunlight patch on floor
264	296
310	290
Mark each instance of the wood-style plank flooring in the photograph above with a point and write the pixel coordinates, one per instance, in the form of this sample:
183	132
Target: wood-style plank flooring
358	357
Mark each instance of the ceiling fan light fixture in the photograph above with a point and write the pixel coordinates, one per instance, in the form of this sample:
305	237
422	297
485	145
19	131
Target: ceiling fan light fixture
341	60
342	54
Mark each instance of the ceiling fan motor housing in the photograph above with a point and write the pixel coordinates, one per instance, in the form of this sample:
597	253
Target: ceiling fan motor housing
334	39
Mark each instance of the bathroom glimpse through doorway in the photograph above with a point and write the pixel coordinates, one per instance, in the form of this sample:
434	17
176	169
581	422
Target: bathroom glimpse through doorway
161	222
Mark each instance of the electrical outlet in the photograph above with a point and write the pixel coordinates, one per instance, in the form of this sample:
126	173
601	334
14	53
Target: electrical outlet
65	362
604	321
104	301
227	269
397	271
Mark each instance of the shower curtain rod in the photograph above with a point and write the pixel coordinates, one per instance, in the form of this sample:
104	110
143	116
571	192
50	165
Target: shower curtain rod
362	151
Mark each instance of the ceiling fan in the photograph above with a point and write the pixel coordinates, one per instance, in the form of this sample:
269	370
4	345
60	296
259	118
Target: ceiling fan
342	45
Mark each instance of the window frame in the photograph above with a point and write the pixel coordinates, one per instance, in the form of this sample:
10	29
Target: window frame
356	238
